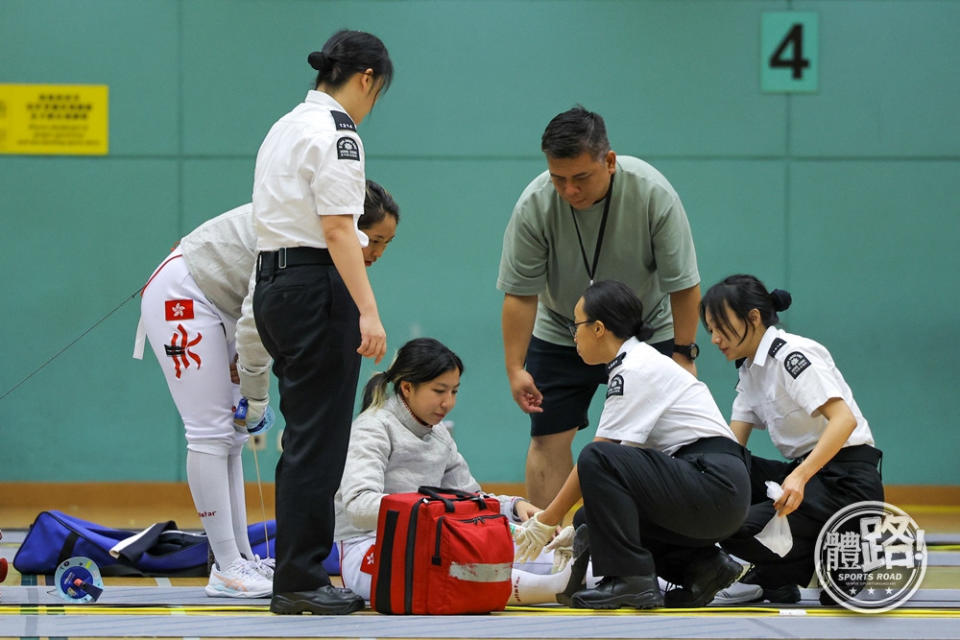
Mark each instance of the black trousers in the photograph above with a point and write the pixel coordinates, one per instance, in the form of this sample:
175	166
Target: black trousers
851	476
648	512
310	325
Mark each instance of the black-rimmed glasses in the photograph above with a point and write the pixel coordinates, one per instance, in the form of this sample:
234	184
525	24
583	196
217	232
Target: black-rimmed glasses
572	326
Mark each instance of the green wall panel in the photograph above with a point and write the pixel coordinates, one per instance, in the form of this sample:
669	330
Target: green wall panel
888	85
79	250
872	245
484	78
129	45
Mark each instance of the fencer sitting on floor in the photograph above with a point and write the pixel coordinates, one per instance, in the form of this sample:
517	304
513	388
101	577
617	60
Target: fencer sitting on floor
399	443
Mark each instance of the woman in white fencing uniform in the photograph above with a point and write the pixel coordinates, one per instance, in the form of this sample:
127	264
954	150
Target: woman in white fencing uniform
401	442
790	386
313	304
195	309
663	480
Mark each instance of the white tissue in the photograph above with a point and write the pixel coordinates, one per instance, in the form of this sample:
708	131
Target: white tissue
776	534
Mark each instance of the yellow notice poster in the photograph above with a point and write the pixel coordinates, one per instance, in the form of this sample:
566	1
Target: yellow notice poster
53	119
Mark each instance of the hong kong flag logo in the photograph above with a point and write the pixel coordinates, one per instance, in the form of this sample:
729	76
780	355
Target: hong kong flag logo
179	350
177	310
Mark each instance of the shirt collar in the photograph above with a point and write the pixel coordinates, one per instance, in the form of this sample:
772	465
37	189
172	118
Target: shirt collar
324	99
399	408
763	349
625	348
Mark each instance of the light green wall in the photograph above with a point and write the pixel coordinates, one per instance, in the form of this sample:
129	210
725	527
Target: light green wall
847	197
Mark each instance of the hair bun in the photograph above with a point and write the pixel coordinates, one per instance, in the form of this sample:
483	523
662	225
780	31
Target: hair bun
781	299
318	60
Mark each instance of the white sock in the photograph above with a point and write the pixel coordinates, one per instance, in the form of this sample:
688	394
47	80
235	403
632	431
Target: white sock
238	503
207	478
537	588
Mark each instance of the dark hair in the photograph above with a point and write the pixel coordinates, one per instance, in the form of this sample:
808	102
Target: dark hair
572	132
348	52
618	307
419	360
741	293
377	203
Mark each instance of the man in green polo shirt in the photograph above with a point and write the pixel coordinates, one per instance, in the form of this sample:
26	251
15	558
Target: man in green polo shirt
591	216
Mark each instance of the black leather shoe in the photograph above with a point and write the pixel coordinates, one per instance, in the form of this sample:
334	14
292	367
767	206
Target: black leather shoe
781	594
613	592
787	594
703	581
326	600
578	566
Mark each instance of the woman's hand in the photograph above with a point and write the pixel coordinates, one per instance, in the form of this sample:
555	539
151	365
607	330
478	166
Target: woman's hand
524	510
373	337
792	496
531	537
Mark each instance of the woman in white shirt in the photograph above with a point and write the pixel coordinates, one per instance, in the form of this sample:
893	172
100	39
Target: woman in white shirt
790	386
196	311
314	307
663	480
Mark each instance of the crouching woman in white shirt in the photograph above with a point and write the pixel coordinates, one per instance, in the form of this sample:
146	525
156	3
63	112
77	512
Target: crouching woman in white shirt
790	386
663	480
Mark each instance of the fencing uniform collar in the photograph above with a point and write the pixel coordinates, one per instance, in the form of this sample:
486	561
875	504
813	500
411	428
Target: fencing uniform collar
399	408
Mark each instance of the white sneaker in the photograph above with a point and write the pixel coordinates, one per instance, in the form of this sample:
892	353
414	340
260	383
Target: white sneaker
739	593
238	580
264	566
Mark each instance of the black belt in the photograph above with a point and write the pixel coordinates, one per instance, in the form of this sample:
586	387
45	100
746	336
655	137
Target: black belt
856	453
717	444
270	262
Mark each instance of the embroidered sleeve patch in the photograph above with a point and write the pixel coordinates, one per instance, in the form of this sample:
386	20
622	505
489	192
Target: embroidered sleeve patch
776	346
615	386
176	310
347	149
796	363
342	121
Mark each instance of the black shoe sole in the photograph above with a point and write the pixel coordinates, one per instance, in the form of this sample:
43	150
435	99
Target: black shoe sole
295	606
787	594
725	577
646	600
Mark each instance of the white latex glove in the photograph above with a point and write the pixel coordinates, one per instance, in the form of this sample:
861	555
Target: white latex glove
530	537
562	547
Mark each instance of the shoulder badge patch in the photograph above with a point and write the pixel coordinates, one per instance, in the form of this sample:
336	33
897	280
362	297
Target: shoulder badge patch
776	346
615	386
616	362
347	149
795	363
342	121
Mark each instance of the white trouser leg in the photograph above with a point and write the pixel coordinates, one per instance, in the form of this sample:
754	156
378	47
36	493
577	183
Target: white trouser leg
352	552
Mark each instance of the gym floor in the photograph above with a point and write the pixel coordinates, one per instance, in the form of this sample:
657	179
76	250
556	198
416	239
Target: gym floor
178	607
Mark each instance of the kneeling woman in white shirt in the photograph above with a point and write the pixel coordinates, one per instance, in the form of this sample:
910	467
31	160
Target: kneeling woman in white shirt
790	386
399	443
663	480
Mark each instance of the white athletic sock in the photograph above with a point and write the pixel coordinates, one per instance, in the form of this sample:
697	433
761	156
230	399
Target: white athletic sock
209	485
537	588
238	503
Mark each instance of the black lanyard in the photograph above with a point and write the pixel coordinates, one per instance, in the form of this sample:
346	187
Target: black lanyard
603	225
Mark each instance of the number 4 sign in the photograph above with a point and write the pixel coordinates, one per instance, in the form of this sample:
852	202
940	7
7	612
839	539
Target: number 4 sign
789	50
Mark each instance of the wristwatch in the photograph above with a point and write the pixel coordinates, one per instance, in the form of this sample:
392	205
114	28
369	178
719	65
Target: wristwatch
691	351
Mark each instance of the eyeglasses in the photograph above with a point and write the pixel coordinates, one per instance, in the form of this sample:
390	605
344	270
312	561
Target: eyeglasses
572	326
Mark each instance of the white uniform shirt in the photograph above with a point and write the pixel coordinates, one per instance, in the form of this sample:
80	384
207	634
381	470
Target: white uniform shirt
782	387
653	402
310	164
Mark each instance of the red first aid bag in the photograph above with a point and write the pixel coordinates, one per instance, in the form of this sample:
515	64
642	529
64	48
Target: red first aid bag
441	551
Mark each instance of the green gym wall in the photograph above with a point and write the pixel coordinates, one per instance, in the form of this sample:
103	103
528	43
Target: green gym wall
847	196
